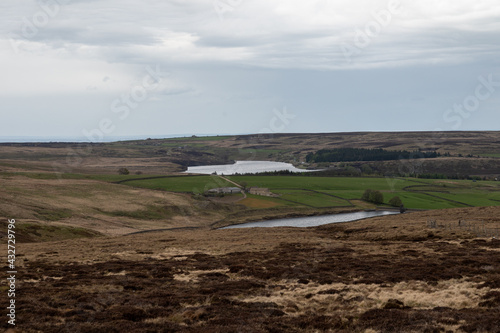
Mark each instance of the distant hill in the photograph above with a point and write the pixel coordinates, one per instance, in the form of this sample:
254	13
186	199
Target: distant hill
472	152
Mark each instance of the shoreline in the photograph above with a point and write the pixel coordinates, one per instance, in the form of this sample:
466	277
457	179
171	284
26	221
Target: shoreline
292	215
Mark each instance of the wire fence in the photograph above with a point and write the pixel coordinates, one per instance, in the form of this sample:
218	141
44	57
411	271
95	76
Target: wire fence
479	228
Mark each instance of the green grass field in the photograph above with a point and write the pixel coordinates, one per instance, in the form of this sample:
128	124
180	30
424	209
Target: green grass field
323	192
189	184
324	183
490	155
415	193
311	198
55	176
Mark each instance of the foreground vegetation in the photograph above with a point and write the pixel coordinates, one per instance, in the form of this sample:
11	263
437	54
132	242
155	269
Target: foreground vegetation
391	274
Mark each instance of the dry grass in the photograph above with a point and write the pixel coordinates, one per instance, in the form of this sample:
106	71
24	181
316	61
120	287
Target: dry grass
194	276
300	299
342	278
107	208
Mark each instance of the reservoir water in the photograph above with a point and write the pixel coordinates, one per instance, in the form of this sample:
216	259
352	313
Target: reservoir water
313	221
245	167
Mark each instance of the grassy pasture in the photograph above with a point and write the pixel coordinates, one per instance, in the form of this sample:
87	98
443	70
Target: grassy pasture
190	184
415	193
311	198
337	184
490	155
322	192
59	176
423	200
259	202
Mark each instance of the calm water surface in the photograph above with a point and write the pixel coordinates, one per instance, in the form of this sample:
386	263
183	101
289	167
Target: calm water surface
245	167
312	221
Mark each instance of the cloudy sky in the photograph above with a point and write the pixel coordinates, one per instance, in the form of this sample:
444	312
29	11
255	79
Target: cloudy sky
112	68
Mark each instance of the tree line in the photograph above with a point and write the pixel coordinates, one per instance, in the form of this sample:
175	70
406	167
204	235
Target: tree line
364	154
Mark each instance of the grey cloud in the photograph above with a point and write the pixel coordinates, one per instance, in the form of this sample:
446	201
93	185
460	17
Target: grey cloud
262	55
117	28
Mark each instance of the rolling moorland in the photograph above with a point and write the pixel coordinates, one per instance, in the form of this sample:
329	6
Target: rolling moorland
84	268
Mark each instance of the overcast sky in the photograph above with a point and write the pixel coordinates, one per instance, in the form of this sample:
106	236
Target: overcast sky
163	67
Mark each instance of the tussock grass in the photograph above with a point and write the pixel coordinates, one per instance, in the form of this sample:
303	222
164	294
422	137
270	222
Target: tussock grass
299	299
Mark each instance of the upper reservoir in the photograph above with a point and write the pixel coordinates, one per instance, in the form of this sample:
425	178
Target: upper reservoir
242	167
313	221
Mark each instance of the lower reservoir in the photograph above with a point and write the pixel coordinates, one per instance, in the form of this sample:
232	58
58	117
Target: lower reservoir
313	221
